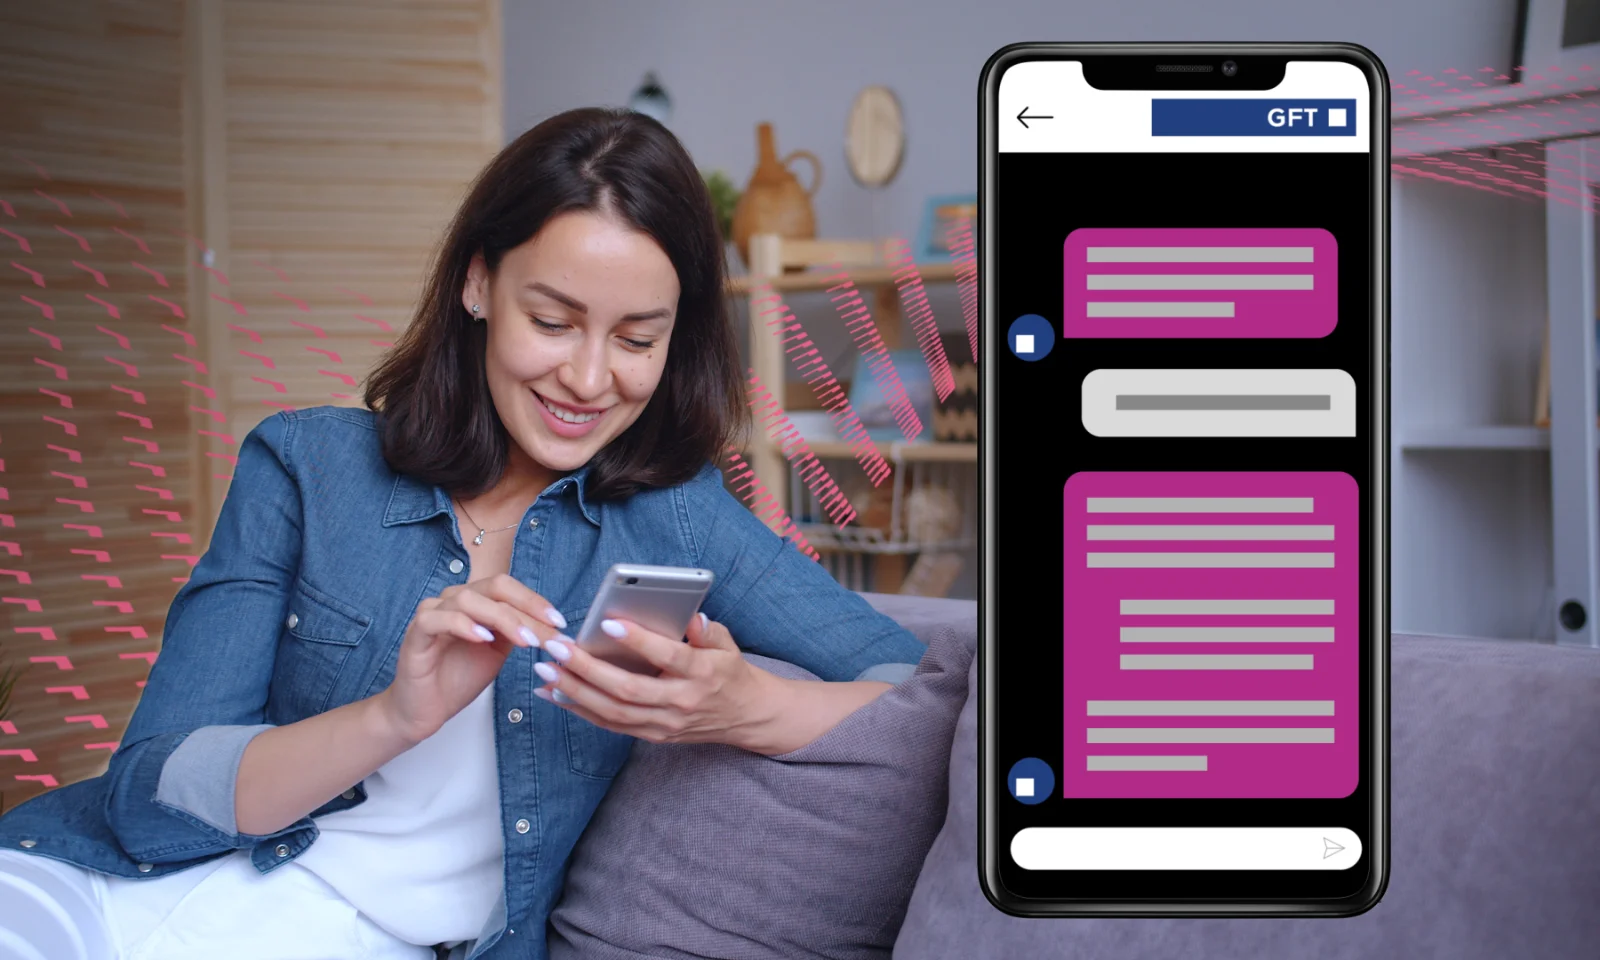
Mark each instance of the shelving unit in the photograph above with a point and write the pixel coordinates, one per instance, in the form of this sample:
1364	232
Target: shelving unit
886	557
1495	521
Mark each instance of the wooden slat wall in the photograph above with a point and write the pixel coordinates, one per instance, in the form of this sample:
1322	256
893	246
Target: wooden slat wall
353	130
290	167
91	143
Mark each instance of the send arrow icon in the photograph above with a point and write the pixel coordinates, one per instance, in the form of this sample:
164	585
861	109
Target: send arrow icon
1329	848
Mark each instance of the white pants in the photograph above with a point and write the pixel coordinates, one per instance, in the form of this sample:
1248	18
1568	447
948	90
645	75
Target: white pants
51	910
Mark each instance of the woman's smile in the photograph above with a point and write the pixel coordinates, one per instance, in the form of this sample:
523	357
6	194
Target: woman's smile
567	421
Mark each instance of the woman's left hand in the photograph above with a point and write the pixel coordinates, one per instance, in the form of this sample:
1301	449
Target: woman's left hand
706	692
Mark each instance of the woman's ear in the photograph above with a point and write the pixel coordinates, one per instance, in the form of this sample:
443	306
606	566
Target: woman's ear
476	289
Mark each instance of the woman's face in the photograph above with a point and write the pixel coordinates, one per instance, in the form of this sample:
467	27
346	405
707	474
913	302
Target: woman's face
579	320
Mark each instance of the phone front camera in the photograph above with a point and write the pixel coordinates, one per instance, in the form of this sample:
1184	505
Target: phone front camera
1229	68
633	580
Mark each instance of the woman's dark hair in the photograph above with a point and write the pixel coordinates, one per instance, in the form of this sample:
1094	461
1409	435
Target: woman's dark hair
431	393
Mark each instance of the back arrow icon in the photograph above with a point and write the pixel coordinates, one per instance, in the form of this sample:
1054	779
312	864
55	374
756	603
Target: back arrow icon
1329	848
1024	117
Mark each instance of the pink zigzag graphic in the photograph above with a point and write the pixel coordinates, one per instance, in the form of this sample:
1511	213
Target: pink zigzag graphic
763	504
963	253
798	453
808	361
852	309
920	314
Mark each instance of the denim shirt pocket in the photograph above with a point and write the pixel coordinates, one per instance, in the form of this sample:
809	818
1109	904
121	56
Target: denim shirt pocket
321	631
592	751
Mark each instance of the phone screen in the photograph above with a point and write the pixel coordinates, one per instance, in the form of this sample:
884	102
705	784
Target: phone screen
1184	262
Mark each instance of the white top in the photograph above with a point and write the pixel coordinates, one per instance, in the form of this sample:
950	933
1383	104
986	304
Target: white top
424	856
422	859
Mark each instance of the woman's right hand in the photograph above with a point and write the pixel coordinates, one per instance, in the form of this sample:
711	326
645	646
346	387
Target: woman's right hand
455	645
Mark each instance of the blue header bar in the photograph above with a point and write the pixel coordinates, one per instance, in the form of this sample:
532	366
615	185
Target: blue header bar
1236	117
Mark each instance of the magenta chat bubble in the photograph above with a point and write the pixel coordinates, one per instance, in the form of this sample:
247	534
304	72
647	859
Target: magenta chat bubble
1176	283
1211	635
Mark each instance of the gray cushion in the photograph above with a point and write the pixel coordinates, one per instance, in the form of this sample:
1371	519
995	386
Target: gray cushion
710	851
1494	851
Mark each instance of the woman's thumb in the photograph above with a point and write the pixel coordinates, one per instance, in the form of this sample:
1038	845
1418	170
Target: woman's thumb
703	632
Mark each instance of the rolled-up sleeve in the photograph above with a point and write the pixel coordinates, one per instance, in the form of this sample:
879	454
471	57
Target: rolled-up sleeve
171	781
778	602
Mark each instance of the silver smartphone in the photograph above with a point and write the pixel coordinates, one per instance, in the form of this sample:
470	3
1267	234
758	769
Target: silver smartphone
660	599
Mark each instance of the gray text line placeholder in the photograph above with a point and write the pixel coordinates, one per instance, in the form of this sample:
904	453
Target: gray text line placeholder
1159	308
1210	708
1199	281
1199	504
1227	634
1210	734
1199	254
1149	763
1216	661
1227	607
1285	560
1252	401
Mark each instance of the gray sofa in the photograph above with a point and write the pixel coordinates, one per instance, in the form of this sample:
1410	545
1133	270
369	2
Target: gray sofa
1495	826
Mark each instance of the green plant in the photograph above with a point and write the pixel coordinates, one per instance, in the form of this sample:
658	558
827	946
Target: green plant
724	197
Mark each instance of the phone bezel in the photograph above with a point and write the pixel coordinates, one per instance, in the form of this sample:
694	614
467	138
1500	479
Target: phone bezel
989	848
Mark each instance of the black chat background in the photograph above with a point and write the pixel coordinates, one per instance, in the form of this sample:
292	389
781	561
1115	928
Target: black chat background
1039	441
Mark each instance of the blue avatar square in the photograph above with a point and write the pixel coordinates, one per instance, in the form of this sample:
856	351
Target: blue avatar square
1031	337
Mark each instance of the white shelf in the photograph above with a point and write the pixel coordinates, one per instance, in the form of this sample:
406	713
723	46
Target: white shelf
1493	116
1475	438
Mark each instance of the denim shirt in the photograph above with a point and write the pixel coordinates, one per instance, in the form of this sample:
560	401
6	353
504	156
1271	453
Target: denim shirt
319	559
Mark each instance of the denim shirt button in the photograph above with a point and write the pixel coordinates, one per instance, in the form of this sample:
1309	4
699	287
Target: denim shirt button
522	826
455	566
29	844
533	524
144	868
515	716
293	621
282	850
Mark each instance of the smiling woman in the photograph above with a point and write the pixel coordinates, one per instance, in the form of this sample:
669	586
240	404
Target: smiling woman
366	734
588	248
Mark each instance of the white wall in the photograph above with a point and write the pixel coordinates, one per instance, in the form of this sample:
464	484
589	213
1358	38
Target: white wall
730	65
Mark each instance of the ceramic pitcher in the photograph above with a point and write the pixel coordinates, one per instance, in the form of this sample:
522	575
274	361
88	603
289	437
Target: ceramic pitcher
774	201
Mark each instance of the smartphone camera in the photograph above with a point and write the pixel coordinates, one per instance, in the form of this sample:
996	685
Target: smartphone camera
1229	68
631	580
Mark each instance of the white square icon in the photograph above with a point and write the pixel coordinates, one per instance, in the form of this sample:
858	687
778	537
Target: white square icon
1024	784
1336	116
1025	345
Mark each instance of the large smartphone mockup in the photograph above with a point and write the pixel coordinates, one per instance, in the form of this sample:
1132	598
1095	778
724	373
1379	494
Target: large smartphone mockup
1184	287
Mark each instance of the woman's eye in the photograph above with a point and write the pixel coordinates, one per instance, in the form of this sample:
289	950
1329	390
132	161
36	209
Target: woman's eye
546	324
639	344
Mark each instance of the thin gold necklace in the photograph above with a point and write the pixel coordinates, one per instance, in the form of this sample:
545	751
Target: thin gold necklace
478	540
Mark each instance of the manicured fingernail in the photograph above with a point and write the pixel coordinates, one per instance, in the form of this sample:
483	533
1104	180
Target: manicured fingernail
705	622
546	672
483	631
528	636
560	697
613	628
541	693
556	619
558	647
